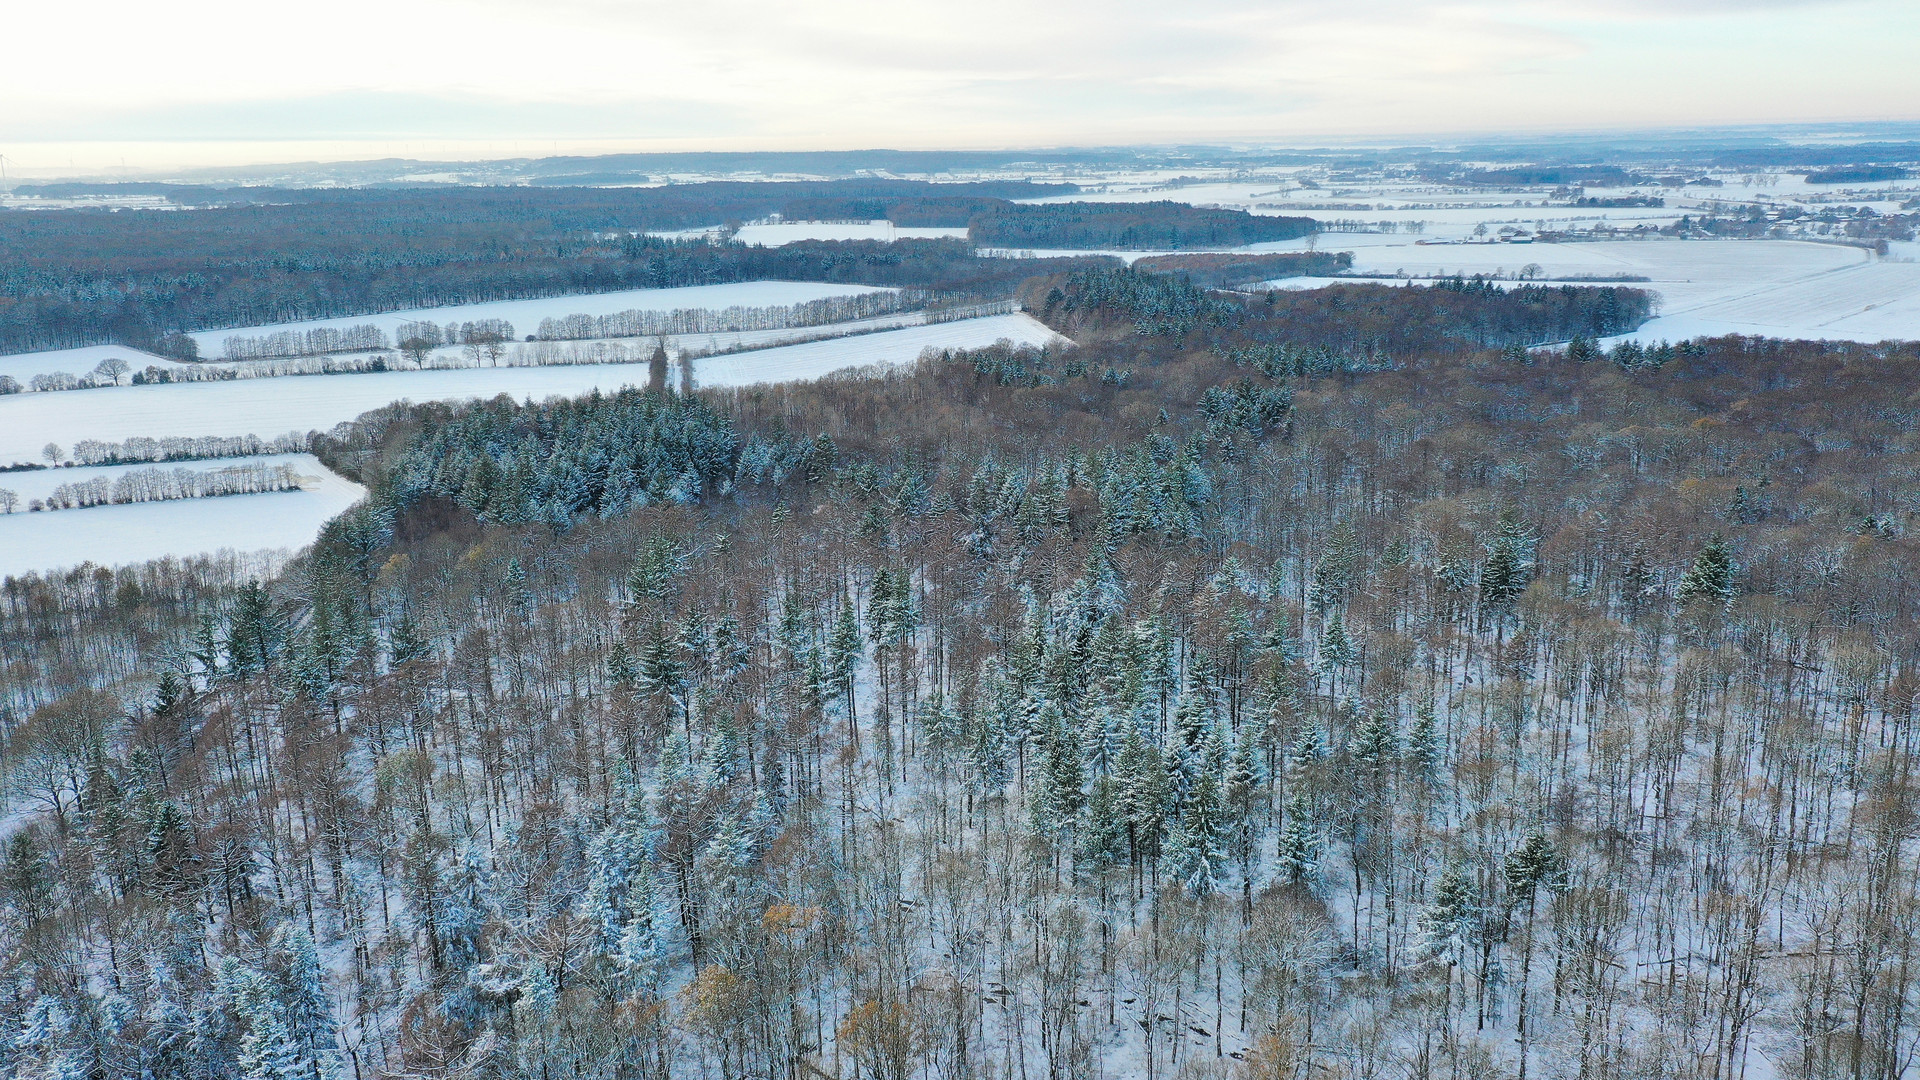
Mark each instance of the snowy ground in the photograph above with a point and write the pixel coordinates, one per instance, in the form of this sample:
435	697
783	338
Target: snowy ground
24	366
781	233
525	315
269	407
790	363
115	535
1770	288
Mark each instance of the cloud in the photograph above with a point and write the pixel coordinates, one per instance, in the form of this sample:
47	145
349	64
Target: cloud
940	72
374	115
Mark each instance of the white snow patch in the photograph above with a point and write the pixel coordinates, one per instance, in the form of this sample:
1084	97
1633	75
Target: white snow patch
137	532
778	234
24	366
791	363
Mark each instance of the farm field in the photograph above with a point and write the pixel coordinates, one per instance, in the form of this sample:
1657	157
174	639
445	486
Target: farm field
777	234
270	407
812	360
1770	288
136	532
24	366
525	315
780	233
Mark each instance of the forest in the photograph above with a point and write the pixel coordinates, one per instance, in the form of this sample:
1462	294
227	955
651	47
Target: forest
1288	686
1149	225
92	277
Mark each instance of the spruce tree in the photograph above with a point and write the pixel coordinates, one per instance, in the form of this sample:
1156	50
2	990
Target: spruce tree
1423	743
306	1005
1057	791
1336	649
1298	859
845	647
1449	923
1333	575
651	583
1103	843
1239	786
1509	565
1198	855
1143	793
1711	578
1376	744
1531	866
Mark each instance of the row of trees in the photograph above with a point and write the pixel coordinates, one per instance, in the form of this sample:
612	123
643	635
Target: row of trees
179	448
318	341
646	323
157	485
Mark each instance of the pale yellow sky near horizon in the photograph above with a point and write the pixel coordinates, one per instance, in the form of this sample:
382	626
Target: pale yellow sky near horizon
219	82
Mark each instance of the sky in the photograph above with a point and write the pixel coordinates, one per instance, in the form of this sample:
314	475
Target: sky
123	84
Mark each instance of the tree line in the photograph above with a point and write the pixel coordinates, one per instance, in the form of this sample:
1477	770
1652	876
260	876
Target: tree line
1453	315
159	485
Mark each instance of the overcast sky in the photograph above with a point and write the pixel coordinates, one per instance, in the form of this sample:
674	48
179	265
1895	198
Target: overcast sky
223	81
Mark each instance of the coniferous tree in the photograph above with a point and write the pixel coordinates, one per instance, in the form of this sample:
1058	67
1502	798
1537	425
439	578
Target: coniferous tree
1298	858
1711	576
1336	649
1509	565
1424	750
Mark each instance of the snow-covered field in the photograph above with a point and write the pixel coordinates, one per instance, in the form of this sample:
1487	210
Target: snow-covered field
1769	288
525	315
788	232
115	535
269	407
1773	288
24	366
780	233
791	363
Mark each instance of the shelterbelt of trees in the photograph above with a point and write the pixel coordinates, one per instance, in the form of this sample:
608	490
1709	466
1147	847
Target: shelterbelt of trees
1200	701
